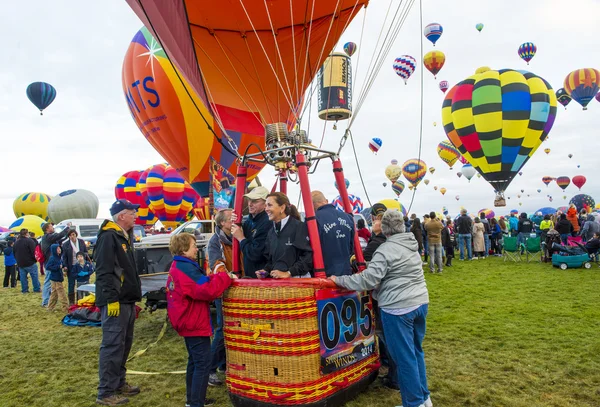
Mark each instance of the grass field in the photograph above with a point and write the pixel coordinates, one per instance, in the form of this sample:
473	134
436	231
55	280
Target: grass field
499	334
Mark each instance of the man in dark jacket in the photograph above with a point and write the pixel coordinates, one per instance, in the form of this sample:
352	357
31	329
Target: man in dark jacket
253	234
336	230
464	227
564	227
118	288
70	248
50	238
524	229
24	251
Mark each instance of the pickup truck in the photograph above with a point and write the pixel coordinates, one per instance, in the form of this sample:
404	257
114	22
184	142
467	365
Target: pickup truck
152	252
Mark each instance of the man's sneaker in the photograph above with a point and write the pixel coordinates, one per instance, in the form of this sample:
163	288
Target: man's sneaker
128	390
213	380
114	400
209	402
428	402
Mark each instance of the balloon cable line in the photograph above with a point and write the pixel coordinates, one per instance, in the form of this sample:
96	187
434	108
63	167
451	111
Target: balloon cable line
362	181
421	121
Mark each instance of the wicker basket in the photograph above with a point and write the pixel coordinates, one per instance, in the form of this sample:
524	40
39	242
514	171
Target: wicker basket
274	350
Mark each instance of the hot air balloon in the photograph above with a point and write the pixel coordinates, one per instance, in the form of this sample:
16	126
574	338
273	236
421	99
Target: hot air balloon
443	190
444	86
349	48
375	144
127	188
539	190
448	153
468	171
431	170
444	210
433	32
479	27
30	222
394	162
520	203
522	190
393	205
385	184
434	124
202	209
398	187
518	195
173	121
582	85
563	97
32	203
520	172
41	94
546	180
488	213
563	182
355	202
457	197
570	155
435	188
411	187
493	127
414	171
434	61
547	150
579	181
583	201
426	181
345	182
404	66
393	172
73	204
459	174
169	196
527	51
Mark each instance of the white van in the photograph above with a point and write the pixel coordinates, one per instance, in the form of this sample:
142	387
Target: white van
87	229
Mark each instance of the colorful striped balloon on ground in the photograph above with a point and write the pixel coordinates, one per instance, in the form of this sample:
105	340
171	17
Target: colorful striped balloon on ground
433	32
32	203
405	66
448	153
497	120
127	188
582	85
414	170
434	61
169	196
527	51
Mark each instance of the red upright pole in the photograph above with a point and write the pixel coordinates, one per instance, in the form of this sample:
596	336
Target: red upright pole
283	179
311	221
338	172
240	189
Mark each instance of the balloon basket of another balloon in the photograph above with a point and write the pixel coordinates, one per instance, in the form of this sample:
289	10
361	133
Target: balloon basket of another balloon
297	342
499	201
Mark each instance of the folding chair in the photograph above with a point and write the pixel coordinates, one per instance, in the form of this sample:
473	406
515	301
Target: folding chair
533	247
573	240
511	250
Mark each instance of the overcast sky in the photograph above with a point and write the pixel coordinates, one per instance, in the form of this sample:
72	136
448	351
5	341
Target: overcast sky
87	139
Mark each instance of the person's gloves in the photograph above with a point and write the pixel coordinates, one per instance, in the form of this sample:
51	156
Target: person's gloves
82	274
114	308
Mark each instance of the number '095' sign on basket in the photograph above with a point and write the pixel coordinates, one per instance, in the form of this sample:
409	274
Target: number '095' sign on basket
346	328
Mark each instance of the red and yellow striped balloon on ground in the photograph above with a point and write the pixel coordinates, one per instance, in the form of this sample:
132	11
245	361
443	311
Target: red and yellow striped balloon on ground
168	195
127	188
582	85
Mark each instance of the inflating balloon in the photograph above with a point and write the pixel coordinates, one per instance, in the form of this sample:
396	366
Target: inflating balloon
444	86
582	85
398	187
32	203
468	171
73	204
30	222
448	153
479	27
443	190
498	130
393	172
433	32
349	48
414	171
579	181
583	201
563	182
527	51
434	61
127	188
41	94
563	97
375	144
405	66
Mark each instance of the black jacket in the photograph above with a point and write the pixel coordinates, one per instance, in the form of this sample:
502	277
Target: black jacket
446	239
116	274
253	246
67	252
24	250
336	232
51	238
374	243
464	225
564	226
525	226
289	250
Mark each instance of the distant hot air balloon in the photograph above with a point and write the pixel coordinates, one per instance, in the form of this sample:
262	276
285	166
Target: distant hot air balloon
468	171
394	162
414	171
443	190
435	188
434	61
579	181
426	182
527	51
483	121
522	190
431	170
539	190
345	182
520	172
375	144
478	175
563	97
563	182
444	86
459	174
393	172
41	94
385	184
570	155
479	27
547	150
564	197
349	48
582	85
457	197
433	32
448	153
411	187
398	187
518	195
404	66
547	180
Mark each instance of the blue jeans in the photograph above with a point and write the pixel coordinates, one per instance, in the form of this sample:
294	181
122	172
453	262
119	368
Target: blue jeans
198	369
522	239
486	238
563	237
465	239
408	331
33	272
217	346
47	289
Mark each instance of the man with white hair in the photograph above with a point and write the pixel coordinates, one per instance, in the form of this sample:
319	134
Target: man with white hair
118	287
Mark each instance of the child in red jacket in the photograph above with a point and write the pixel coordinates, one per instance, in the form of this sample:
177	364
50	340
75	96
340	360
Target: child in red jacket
189	293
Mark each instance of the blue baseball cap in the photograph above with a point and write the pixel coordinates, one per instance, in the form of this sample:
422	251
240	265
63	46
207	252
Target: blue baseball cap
121	205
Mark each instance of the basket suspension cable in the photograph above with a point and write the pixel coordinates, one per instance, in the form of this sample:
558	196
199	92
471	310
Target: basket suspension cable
262	89
358	167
